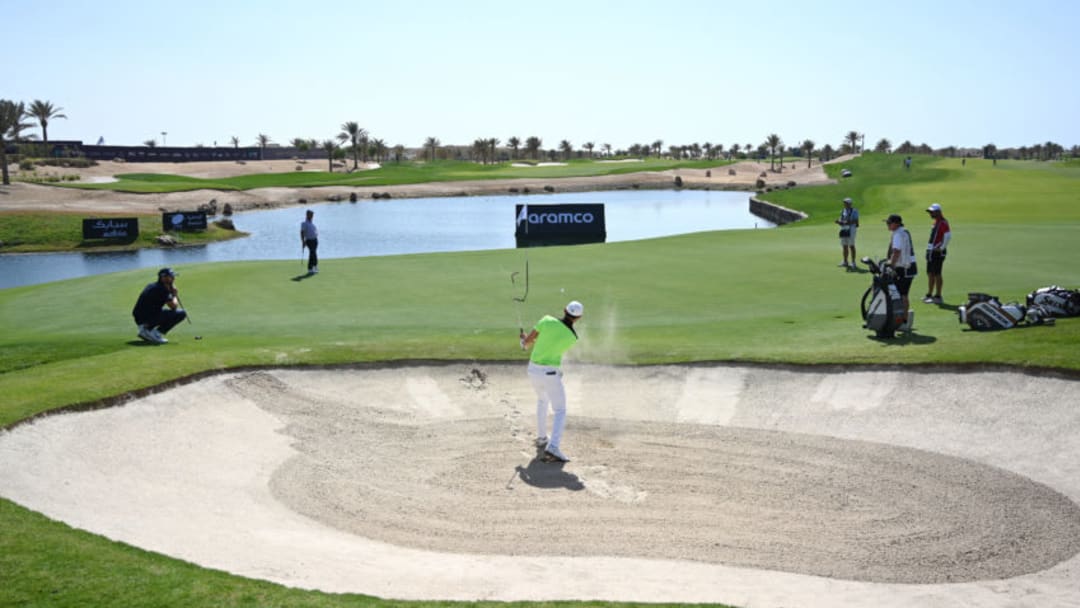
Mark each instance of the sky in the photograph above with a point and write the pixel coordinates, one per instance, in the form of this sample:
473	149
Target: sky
941	72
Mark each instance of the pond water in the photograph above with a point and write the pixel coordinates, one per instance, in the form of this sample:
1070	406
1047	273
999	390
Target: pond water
390	227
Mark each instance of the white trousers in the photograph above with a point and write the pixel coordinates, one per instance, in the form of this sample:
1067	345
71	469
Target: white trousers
547	382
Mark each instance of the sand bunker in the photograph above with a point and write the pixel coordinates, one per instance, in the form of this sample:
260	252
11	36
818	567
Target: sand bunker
752	486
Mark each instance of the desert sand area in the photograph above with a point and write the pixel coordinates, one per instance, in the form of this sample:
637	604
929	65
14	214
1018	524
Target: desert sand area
21	196
750	485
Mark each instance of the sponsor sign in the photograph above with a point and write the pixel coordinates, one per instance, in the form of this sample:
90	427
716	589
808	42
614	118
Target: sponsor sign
570	224
125	228
183	221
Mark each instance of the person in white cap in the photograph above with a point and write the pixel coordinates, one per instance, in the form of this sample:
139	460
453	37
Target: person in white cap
549	340
940	235
849	222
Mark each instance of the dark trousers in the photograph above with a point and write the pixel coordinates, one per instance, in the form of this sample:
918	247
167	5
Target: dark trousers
313	256
166	319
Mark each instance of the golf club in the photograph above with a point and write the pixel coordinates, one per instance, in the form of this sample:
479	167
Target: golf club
520	301
302	246
187	315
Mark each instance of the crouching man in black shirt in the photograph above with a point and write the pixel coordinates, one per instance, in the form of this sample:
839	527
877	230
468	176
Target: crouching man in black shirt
158	309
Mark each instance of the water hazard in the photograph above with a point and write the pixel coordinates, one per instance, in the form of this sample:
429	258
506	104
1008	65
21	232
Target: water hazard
391	227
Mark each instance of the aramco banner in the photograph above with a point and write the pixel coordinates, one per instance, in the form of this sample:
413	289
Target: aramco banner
571	224
183	221
124	228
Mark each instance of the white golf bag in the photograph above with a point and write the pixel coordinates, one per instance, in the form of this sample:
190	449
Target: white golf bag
985	312
1057	301
882	305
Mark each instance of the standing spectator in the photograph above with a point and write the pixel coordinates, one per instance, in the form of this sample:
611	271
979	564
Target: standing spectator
849	222
907	163
153	320
901	257
940	235
309	237
550	339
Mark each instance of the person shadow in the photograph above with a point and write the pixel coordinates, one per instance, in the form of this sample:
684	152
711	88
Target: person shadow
548	475
904	339
301	277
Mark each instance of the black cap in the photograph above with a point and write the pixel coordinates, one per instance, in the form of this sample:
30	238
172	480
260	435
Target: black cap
894	219
167	271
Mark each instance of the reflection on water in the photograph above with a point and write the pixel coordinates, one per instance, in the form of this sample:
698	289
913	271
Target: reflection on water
389	227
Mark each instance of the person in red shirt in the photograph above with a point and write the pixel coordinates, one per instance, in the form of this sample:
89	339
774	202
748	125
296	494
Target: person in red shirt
935	253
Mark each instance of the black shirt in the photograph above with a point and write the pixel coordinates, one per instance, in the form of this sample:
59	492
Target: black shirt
150	301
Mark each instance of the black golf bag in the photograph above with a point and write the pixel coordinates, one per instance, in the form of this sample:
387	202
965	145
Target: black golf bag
986	312
882	305
1057	301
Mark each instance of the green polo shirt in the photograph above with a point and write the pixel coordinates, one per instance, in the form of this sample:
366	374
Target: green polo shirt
553	339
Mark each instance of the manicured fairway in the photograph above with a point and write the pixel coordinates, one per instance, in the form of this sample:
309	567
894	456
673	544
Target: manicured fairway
753	296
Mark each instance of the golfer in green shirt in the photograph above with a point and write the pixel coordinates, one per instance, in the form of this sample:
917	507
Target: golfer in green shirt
549	340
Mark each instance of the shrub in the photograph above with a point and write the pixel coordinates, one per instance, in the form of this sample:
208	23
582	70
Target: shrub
678	181
26	165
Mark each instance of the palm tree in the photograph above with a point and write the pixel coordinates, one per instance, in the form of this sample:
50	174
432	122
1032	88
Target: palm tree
351	131
379	147
735	150
262	141
330	146
808	150
479	148
493	143
589	146
20	126
514	144
566	148
11	115
431	144
718	151
657	146
533	144
399	153
852	141
235	142
883	145
44	111
301	144
773	142
607	149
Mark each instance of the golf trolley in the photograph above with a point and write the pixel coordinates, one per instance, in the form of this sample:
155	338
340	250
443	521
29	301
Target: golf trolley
882	305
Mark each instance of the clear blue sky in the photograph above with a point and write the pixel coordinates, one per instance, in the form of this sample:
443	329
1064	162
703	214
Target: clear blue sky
945	72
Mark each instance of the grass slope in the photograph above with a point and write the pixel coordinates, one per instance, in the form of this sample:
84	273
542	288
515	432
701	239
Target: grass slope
27	232
753	295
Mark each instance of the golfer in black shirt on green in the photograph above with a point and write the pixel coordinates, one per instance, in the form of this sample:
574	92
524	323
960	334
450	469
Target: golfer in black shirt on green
158	309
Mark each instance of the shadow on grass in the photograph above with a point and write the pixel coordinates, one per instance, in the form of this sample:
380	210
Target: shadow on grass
902	339
301	277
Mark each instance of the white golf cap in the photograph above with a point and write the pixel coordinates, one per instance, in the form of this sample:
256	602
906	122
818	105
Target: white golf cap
934	207
574	308
847	201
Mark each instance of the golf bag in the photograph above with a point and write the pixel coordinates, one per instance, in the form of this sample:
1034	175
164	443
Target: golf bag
985	312
882	305
1057	301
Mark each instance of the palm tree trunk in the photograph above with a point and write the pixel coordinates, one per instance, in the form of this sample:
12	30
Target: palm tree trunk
4	163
